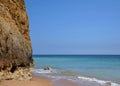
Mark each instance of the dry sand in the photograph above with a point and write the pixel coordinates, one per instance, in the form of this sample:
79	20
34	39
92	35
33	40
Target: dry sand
36	81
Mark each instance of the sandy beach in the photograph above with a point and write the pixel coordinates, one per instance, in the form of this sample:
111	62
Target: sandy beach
36	81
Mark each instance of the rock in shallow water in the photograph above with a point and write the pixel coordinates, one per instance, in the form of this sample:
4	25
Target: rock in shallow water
47	68
15	44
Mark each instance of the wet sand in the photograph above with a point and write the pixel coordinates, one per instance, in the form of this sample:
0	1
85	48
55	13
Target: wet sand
64	82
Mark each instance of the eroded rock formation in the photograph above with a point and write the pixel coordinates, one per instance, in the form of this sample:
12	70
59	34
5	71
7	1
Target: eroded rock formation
15	45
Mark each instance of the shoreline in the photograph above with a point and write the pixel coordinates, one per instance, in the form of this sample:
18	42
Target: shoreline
76	81
48	81
35	81
38	81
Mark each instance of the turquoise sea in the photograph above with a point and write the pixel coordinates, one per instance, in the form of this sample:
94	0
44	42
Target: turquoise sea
91	68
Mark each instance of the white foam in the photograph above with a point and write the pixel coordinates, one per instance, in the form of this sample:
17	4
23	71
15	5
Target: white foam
42	71
101	82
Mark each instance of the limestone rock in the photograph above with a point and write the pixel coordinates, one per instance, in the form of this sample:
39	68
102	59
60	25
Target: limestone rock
15	44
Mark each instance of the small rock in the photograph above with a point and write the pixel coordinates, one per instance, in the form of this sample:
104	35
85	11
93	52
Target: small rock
47	68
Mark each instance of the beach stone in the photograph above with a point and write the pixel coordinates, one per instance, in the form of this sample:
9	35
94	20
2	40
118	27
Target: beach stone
47	68
15	44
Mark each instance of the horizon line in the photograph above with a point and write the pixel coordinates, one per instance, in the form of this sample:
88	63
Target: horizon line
73	54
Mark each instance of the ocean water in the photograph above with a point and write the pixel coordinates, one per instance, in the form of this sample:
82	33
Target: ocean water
80	68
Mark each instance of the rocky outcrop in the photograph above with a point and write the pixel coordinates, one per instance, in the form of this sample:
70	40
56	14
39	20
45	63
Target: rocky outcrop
15	45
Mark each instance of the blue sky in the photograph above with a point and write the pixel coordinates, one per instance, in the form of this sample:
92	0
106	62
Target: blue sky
74	26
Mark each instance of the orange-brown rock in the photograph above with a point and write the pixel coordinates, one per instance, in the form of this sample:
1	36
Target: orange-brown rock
15	44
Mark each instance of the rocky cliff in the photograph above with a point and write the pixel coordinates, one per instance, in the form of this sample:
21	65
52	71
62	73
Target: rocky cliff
15	45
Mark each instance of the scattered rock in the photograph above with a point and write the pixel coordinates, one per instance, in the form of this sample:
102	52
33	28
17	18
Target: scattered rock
19	74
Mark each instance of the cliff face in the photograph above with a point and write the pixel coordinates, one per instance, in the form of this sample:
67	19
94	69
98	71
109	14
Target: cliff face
15	45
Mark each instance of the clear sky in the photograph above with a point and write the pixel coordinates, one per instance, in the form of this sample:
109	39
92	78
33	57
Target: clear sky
74	26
